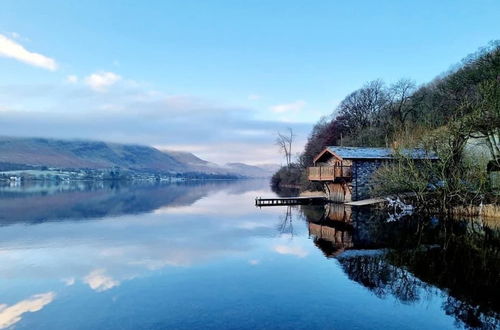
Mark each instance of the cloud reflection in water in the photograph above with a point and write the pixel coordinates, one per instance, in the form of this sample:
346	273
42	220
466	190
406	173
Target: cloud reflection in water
10	315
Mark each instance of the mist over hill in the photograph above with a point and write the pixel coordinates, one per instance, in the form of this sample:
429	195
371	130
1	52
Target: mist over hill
24	153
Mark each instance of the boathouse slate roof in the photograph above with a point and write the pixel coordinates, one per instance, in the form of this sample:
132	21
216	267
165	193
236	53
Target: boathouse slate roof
378	153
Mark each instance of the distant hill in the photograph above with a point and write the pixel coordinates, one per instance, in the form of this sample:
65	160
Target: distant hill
20	153
250	170
193	162
198	164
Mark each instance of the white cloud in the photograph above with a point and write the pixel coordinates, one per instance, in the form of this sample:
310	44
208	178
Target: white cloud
215	132
10	315
72	79
100	81
11	49
297	251
99	281
257	153
289	107
254	262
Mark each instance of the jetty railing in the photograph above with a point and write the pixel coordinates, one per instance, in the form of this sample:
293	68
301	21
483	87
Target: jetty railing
290	200
329	173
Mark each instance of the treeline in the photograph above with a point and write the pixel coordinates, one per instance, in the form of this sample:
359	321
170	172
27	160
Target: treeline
465	100
446	116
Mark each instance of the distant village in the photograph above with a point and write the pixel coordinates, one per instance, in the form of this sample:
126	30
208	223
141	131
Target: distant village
57	175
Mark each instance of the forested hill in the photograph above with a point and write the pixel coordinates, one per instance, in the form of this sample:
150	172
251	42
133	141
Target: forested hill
447	115
26	153
466	99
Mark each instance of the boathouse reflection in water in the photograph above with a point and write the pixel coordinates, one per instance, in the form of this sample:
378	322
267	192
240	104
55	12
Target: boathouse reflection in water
414	256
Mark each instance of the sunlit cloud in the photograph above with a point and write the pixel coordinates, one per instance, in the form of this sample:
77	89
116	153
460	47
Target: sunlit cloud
289	107
99	281
100	81
10	315
294	250
11	49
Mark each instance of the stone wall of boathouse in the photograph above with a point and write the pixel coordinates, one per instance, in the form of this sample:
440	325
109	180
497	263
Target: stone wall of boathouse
362	172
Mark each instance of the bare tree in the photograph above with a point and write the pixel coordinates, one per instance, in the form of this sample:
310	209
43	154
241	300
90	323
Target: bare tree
401	93
286	222
484	119
285	141
362	107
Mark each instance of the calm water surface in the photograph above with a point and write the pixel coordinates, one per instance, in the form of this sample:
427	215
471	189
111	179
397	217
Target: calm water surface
201	255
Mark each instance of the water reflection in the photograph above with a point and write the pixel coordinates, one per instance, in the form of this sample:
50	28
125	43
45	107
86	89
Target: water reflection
146	228
91	200
145	256
9	315
151	226
411	257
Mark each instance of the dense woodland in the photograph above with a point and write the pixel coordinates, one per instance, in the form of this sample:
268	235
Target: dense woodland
456	115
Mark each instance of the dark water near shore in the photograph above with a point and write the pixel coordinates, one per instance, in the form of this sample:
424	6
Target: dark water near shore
201	256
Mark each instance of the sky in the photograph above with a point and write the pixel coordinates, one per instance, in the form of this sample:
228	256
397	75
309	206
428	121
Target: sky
217	78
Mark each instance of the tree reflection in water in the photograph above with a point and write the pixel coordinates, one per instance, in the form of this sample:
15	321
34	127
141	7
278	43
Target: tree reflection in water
383	278
285	225
412	258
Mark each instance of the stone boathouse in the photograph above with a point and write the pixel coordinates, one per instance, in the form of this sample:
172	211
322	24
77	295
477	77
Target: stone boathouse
346	171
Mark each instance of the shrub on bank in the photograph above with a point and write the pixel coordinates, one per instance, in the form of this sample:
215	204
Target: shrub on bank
287	176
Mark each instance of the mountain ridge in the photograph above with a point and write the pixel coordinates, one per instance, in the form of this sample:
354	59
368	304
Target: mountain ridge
89	154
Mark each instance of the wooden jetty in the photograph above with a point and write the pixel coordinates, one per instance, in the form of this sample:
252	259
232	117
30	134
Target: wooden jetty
290	201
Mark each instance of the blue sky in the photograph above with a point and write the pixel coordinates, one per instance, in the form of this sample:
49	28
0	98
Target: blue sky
216	77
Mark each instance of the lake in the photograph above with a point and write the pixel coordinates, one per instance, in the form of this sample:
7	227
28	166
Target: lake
201	255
